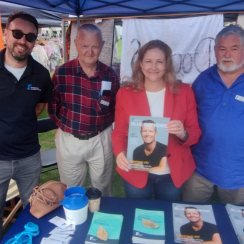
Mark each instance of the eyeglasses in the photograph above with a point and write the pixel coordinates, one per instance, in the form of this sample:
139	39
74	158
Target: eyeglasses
17	34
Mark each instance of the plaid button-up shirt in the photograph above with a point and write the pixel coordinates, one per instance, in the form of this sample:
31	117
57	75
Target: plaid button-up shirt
78	106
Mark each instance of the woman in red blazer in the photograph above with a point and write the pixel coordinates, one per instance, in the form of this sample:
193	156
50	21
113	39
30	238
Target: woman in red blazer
154	91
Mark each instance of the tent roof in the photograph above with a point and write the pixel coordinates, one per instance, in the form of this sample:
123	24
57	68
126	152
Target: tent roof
44	18
132	7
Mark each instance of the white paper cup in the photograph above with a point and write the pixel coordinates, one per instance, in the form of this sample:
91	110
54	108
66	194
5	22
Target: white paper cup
76	217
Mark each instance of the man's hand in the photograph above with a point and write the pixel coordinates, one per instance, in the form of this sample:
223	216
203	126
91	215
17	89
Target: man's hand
39	108
122	161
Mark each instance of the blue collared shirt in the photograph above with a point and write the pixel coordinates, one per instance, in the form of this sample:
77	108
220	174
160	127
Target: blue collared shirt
219	155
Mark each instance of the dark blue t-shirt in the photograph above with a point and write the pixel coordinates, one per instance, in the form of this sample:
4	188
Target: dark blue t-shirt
204	234
154	158
18	99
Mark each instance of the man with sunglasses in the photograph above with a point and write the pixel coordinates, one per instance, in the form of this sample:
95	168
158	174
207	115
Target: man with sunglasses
25	88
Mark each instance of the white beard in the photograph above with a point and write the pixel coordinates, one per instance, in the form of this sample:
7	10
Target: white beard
231	68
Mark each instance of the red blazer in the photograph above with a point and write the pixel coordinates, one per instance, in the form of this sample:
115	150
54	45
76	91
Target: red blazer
180	106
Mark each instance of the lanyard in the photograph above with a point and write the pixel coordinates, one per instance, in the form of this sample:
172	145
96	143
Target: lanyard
25	237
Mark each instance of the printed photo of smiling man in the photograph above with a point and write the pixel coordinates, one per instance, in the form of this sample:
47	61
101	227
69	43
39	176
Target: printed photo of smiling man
198	230
152	153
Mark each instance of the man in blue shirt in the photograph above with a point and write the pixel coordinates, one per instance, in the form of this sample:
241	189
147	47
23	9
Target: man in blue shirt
219	93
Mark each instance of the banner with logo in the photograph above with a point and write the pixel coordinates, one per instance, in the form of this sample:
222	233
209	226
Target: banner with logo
191	40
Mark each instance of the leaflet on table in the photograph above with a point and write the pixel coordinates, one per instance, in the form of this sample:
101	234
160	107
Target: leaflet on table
60	234
194	223
147	143
111	223
60	222
236	214
149	227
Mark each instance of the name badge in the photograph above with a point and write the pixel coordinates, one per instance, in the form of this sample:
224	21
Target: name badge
239	98
104	102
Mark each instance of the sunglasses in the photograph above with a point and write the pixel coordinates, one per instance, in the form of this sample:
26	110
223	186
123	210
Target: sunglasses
17	34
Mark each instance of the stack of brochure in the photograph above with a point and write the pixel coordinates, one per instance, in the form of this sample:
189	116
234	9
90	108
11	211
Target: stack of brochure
61	234
194	223
148	227
236	214
105	228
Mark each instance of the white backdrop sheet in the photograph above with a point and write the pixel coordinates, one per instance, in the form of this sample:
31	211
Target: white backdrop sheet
191	40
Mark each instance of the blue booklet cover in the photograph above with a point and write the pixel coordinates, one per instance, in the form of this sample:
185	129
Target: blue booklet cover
111	223
141	232
236	214
147	144
194	224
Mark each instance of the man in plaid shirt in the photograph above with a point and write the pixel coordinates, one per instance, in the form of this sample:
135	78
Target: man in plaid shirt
84	91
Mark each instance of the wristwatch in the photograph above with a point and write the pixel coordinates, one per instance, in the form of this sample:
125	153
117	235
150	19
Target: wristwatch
183	137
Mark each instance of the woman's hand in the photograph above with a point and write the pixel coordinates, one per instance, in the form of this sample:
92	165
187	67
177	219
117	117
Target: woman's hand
176	127
122	161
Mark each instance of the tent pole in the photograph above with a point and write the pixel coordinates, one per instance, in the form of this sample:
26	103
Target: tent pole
78	22
64	41
111	61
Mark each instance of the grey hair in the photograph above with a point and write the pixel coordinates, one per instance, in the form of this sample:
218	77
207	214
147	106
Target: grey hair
91	28
231	30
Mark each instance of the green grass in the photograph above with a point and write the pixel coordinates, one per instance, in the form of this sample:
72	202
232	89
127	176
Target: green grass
46	139
43	115
119	46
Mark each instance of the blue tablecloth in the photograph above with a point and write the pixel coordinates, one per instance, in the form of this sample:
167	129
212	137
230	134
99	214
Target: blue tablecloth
126	207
